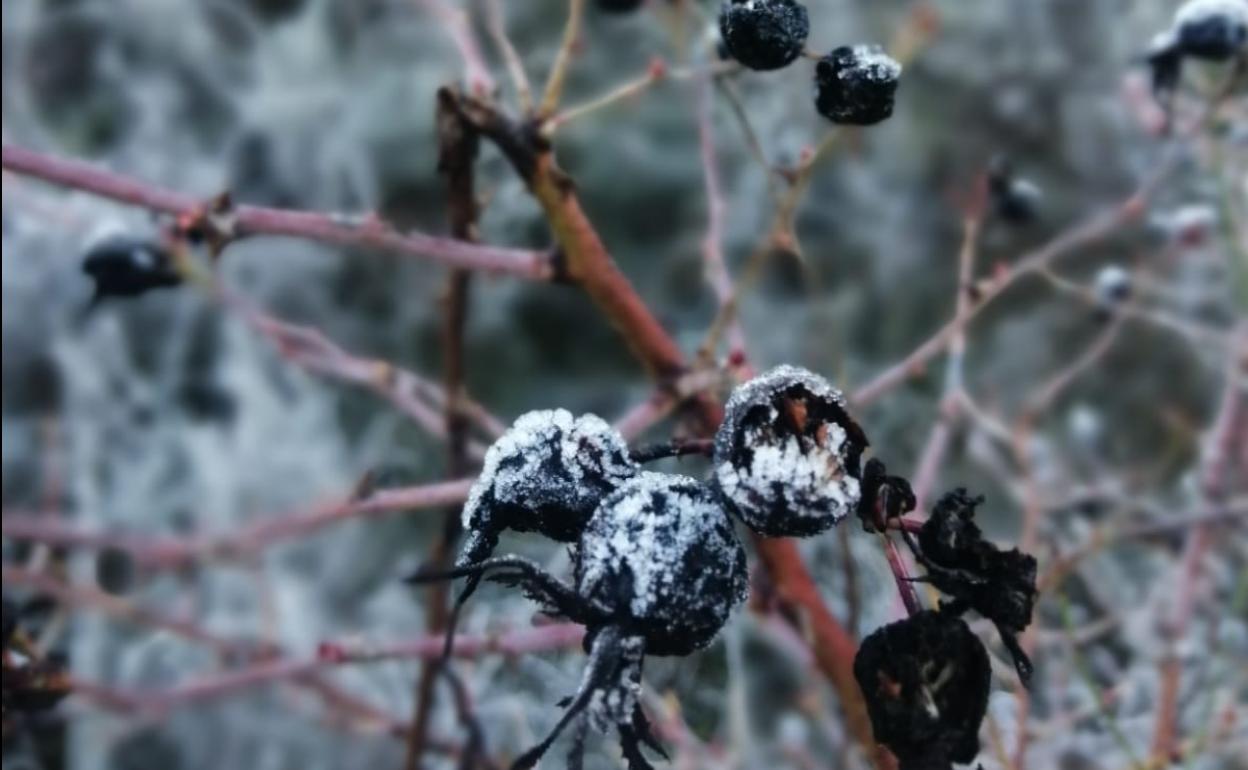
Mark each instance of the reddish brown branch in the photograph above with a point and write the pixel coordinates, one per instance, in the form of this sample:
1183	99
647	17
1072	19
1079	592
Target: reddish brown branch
155	553
367	232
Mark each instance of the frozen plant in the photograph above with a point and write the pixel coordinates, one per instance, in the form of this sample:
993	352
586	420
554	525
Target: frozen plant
658	569
788	457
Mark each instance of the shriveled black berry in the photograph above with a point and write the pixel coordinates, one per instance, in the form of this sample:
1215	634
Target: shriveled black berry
546	474
1212	29
788	456
1015	200
856	85
619	6
661	555
1000	585
925	681
128	267
764	34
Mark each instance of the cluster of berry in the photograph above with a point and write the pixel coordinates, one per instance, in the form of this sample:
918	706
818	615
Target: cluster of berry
854	85
658	567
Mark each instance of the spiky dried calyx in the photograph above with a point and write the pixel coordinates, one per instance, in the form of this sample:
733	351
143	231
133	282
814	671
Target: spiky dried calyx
662	556
127	267
764	34
856	85
546	474
998	584
787	458
925	680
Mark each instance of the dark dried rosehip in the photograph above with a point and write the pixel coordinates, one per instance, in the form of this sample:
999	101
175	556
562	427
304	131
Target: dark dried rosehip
1212	29
884	497
662	556
764	34
128	267
546	474
1015	200
925	681
856	85
1000	585
788	456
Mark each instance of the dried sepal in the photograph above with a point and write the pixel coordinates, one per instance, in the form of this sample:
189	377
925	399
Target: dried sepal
998	584
925	680
788	456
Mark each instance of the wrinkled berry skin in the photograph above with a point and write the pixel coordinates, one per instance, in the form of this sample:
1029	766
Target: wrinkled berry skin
128	267
1212	29
788	456
1000	585
662	556
764	34
925	680
856	85
546	474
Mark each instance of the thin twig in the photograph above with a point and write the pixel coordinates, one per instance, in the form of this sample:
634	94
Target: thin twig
365	232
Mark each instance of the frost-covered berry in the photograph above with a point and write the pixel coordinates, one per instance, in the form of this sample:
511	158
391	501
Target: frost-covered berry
856	85
1000	585
546	474
662	556
1113	286
1015	200
764	34
1212	29
787	458
925	680
127	267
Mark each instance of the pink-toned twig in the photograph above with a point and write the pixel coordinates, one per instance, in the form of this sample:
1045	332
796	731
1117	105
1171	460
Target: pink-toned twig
334	654
459	28
170	553
367	232
417	397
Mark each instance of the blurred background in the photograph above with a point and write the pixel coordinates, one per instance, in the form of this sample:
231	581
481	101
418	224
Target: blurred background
170	414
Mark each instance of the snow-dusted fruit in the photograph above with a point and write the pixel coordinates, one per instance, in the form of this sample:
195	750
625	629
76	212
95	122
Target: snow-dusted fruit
925	680
662	556
788	456
764	34
856	85
546	474
1212	29
1113	286
976	574
127	267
